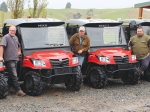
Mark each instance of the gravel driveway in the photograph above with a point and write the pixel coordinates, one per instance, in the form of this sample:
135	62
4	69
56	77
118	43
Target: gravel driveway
115	97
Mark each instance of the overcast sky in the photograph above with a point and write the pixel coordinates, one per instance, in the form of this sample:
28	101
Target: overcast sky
98	4
86	4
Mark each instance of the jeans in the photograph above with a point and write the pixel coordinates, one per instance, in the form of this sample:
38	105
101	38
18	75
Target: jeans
81	59
145	63
11	67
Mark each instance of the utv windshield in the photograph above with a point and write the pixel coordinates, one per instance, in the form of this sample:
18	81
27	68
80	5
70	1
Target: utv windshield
106	36
43	37
146	30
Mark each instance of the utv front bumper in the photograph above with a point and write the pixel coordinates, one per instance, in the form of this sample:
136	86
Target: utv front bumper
58	71
121	67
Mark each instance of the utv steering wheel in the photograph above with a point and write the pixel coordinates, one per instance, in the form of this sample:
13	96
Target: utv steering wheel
111	43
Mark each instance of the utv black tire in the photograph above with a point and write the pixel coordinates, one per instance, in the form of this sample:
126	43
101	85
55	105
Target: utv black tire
3	86
132	77
33	84
97	77
75	81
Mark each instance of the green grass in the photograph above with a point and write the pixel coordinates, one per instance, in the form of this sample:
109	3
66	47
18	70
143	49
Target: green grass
98	13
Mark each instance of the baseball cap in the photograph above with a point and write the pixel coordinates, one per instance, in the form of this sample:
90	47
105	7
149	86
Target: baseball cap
82	28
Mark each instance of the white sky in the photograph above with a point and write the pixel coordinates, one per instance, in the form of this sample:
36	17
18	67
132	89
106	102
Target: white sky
86	4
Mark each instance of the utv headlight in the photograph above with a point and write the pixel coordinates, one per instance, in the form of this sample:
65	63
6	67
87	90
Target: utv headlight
1	64
75	60
133	57
38	62
104	59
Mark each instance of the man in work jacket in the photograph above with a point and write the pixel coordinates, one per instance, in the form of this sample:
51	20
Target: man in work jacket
140	46
80	44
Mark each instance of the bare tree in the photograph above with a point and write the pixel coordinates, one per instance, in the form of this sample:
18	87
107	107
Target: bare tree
2	16
44	13
38	8
16	7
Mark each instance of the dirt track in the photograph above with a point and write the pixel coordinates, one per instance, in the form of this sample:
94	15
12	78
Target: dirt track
115	97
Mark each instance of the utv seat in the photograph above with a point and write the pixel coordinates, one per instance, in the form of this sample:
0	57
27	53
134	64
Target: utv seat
133	29
5	30
73	31
132	33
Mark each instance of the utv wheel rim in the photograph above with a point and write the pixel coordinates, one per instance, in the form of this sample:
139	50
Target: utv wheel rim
94	77
71	81
130	76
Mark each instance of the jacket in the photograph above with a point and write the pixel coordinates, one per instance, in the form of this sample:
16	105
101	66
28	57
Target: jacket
140	46
76	45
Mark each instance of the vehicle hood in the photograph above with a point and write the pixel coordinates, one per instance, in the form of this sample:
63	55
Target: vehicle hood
51	54
112	52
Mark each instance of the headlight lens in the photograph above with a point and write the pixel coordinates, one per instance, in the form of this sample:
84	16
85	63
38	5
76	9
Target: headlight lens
104	59
1	64
75	60
38	62
133	57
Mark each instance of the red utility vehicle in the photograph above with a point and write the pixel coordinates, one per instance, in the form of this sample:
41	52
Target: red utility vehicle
130	26
109	56
46	55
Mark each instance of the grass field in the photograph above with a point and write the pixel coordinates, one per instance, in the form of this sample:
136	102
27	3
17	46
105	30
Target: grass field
98	13
65	14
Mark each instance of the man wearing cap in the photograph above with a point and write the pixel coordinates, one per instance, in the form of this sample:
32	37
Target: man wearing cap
80	44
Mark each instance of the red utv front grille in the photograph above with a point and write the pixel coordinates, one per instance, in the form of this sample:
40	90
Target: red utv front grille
59	62
63	70
121	59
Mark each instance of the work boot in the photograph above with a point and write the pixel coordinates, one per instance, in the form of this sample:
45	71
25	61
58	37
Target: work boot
141	71
138	82
20	93
12	90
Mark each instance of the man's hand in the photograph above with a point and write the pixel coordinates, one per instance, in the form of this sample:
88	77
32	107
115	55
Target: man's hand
1	59
129	48
80	51
19	54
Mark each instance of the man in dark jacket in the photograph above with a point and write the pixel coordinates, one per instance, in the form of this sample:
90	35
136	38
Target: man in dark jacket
80	44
